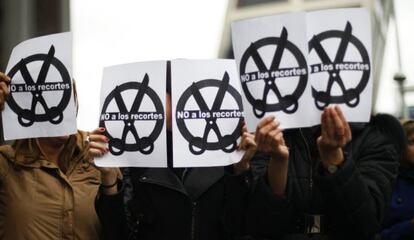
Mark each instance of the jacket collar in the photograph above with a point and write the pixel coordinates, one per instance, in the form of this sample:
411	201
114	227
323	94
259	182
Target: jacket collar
198	181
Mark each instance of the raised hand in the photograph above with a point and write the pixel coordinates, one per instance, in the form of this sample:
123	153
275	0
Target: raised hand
4	89
98	148
249	146
269	139
335	134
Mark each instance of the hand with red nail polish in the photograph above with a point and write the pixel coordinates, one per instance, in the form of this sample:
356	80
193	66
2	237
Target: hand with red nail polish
98	148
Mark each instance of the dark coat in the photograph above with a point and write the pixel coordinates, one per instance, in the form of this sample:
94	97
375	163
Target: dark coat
398	223
159	205
352	201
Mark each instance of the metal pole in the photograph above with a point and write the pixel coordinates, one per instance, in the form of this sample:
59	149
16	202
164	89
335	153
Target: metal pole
399	77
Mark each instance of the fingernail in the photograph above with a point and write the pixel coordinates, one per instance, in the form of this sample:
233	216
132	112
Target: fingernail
101	129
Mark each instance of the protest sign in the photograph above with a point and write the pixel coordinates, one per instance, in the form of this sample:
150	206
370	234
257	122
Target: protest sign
339	61
133	114
41	102
207	112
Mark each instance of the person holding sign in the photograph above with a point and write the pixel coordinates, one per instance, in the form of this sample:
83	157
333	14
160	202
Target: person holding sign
47	186
399	223
327	183
174	203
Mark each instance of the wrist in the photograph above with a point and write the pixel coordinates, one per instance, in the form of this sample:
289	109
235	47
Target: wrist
109	184
331	157
241	167
279	164
279	159
109	178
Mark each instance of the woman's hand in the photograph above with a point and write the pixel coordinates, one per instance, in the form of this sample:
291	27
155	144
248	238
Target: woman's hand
269	139
98	148
249	146
335	134
4	89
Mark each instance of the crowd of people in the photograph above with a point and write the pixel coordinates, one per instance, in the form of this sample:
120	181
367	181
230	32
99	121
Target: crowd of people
334	181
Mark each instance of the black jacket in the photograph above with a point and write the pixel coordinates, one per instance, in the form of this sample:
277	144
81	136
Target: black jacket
351	203
159	205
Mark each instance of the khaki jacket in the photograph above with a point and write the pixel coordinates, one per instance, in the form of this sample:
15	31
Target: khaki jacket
38	201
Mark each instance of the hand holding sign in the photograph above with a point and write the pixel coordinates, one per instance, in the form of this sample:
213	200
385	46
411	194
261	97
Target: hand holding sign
273	60
52	114
97	148
271	55
335	134
4	89
269	139
132	113
97	143
207	112
349	96
339	61
41	97
227	143
248	145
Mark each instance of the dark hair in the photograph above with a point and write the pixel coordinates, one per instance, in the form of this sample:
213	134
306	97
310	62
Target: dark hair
408	126
75	96
168	77
394	131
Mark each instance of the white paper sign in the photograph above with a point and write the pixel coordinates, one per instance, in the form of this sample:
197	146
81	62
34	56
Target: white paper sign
340	61
207	112
133	114
271	58
41	102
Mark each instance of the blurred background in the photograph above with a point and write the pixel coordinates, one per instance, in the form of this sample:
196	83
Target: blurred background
110	32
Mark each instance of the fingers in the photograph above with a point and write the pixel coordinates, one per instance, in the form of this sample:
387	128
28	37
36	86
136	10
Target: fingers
330	125
269	139
324	124
97	149
338	125
98	138
4	90
335	130
347	128
98	131
264	122
99	146
274	138
2	100
263	128
94	152
5	78
244	128
97	143
247	142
